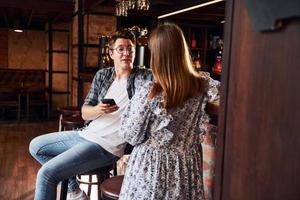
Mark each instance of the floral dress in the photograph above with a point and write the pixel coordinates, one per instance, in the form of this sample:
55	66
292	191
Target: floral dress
166	162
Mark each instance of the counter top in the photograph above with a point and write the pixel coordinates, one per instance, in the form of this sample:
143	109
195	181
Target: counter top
212	108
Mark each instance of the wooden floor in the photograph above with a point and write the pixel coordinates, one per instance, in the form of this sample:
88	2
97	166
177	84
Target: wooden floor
17	168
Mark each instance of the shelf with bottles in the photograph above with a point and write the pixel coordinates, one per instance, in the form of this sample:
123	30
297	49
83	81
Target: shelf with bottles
214	37
198	49
197	60
197	39
142	55
104	59
207	49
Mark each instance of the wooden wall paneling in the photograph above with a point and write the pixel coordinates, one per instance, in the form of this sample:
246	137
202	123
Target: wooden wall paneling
26	50
58	52
259	127
3	48
75	61
60	60
91	56
61	39
97	25
60	83
74	87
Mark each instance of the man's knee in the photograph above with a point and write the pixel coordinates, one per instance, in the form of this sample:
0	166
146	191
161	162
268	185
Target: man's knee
33	146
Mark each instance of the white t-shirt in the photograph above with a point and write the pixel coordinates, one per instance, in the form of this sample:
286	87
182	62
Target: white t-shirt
104	129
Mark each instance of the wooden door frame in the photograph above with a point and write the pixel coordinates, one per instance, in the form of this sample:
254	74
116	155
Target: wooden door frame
221	138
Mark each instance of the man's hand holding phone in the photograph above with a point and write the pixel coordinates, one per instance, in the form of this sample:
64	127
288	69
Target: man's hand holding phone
109	105
111	102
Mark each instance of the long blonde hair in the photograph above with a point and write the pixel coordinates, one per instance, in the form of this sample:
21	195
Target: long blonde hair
171	65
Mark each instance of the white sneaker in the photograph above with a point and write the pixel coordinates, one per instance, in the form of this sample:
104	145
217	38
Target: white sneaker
80	196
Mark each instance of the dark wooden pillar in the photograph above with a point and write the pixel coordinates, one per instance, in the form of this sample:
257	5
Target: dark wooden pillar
258	143
80	49
50	63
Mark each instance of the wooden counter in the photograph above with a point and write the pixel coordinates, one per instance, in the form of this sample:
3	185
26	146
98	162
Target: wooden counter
213	111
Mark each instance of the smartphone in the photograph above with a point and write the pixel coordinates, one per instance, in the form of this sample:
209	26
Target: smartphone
111	102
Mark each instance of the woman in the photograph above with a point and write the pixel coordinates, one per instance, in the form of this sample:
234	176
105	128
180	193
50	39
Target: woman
165	121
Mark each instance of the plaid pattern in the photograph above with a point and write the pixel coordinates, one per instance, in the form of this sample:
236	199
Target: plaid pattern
104	78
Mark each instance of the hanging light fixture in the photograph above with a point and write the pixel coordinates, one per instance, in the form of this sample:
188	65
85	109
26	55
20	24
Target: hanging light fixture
123	6
17	26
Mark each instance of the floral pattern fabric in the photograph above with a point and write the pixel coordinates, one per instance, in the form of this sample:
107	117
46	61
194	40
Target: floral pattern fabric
166	162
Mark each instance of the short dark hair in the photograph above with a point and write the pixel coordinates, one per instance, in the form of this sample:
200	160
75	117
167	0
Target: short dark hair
124	34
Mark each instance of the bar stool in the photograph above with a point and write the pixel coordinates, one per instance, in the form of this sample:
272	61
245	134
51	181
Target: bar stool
111	188
70	120
66	112
71	123
101	173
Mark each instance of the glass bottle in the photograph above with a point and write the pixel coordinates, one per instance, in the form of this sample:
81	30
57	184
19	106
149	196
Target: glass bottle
217	68
198	61
193	41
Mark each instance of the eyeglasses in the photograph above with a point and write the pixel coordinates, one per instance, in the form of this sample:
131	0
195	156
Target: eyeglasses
122	49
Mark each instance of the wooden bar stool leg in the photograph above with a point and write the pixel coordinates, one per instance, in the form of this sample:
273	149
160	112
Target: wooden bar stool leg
59	123
100	179
64	189
98	186
90	185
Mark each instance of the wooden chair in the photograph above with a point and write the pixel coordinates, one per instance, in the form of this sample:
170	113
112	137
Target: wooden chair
10	98
37	97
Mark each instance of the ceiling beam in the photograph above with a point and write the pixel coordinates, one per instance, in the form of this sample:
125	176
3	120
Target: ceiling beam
42	5
4	13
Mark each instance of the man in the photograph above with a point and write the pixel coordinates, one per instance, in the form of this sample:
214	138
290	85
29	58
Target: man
65	154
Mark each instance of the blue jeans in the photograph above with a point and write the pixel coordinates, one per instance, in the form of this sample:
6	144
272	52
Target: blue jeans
63	155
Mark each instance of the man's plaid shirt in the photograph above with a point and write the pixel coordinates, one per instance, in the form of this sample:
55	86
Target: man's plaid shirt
104	78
